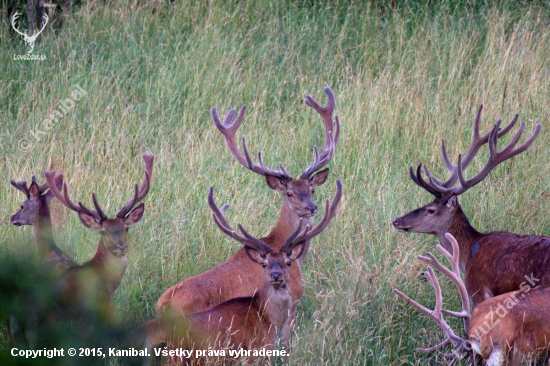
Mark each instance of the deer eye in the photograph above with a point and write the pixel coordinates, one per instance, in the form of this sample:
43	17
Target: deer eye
431	211
312	191
288	262
22	207
289	194
264	264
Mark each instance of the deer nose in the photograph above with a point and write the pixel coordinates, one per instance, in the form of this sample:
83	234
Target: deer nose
396	222
276	276
312	208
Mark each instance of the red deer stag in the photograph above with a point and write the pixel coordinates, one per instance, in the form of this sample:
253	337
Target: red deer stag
101	276
512	327
215	286
251	322
493	263
35	211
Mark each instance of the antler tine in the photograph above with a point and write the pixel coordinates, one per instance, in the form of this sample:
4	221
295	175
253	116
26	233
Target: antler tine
245	238
437	313
41	187
149	159
295	238
440	188
141	192
228	129
454	275
98	207
22	186
419	180
330	212
495	157
61	197
253	242
332	133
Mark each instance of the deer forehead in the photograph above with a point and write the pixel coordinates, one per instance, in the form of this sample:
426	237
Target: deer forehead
301	187
114	226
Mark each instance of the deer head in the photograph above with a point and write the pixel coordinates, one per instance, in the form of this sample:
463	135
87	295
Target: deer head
30	40
275	264
113	231
435	217
298	194
38	199
292	247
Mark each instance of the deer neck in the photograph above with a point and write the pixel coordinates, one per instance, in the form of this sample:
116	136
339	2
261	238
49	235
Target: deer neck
275	304
43	232
288	223
110	267
465	234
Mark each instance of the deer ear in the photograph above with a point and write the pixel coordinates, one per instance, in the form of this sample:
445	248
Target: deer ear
89	221
296	252
319	178
254	255
134	216
275	183
34	190
452	202
48	196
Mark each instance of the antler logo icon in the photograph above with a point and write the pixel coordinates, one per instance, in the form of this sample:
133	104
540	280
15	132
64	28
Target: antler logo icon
28	39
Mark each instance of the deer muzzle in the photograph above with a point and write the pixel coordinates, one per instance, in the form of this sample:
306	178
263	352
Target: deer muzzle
399	225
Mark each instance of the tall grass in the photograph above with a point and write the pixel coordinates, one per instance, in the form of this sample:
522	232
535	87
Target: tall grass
405	75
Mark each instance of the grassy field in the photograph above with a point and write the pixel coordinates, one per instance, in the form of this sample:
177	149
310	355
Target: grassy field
404	77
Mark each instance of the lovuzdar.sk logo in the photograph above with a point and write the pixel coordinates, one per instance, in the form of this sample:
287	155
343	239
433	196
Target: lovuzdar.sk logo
29	40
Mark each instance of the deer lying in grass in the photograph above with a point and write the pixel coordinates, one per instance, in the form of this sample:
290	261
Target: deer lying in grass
215	286
35	211
250	322
512	327
91	285
493	263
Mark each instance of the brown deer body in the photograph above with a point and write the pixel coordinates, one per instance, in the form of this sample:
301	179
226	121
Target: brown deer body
91	285
252	321
218	284
512	327
493	263
35	211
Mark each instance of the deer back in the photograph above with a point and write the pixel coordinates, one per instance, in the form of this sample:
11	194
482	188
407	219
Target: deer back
501	262
514	326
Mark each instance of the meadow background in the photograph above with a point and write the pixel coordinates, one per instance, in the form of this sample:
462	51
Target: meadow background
405	74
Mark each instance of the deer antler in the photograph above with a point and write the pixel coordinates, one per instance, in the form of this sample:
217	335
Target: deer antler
442	189
331	135
229	127
139	193
143	189
23	187
245	238
437	313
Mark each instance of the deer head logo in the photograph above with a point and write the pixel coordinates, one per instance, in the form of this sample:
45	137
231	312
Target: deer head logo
28	39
